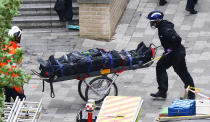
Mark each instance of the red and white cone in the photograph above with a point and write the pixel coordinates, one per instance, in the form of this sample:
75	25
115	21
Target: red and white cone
90	106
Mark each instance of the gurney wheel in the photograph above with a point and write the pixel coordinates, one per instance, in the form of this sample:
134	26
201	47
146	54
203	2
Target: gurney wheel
100	88
81	89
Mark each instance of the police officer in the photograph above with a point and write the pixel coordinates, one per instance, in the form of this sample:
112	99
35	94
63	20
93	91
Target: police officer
162	2
174	55
190	6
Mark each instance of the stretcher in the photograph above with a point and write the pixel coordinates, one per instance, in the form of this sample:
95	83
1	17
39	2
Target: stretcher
102	84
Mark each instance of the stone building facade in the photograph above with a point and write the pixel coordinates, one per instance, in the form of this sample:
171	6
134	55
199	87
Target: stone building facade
99	18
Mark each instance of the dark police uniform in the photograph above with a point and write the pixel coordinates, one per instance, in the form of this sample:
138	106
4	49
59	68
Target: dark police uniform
171	40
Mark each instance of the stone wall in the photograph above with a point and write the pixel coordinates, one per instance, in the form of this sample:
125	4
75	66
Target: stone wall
116	10
98	18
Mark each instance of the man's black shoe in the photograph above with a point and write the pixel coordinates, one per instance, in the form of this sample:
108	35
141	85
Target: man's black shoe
187	9
162	2
193	12
191	95
159	94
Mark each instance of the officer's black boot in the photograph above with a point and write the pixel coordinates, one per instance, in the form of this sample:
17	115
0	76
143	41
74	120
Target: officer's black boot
193	12
191	95
162	2
159	94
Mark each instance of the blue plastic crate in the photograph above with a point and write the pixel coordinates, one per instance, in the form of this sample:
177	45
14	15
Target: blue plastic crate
182	108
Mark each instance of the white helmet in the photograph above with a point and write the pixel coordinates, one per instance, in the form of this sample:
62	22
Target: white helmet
16	32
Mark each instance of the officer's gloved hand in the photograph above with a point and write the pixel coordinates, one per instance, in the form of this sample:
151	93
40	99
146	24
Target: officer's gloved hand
169	50
166	53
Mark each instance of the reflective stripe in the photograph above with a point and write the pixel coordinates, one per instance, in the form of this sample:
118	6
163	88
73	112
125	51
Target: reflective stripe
90	63
111	60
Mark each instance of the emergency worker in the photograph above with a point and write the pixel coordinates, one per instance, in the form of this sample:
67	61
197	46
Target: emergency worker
16	32
174	55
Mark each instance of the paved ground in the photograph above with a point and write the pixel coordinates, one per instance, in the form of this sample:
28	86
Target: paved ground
132	29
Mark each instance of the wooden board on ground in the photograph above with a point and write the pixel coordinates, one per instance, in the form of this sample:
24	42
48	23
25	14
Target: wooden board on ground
120	108
202	112
203	107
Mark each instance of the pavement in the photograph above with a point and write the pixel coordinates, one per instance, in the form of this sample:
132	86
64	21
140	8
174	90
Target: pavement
132	29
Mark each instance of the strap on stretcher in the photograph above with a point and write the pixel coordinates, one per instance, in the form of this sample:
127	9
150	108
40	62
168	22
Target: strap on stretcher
130	59
90	63
111	60
52	93
60	67
110	57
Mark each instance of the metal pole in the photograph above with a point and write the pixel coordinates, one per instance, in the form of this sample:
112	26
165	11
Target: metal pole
90	116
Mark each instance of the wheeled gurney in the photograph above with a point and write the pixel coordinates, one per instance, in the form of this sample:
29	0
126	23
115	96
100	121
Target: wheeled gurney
92	63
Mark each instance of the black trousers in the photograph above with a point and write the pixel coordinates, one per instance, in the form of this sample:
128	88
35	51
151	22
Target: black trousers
175	59
68	10
191	4
64	10
61	15
10	92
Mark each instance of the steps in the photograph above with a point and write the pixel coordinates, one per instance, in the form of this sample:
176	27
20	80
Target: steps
40	14
42	30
